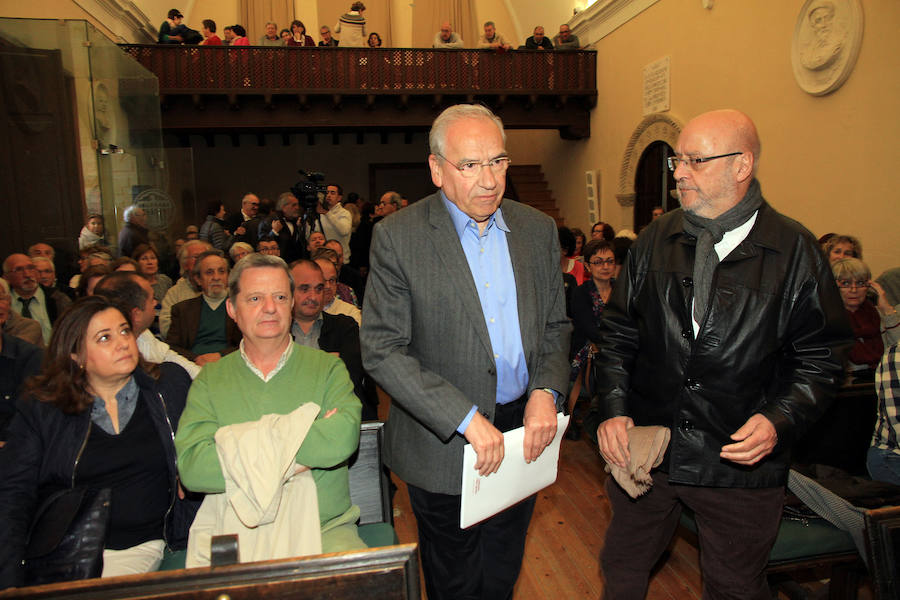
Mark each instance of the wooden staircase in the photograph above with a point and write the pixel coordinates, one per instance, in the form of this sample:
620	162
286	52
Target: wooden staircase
526	184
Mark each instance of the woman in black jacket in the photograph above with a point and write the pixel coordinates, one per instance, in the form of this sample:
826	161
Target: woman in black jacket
93	419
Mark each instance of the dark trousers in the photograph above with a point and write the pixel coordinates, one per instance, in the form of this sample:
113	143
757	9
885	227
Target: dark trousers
483	561
736	528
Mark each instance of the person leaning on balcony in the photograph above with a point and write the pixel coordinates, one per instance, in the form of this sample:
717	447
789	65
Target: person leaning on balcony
327	38
352	26
271	38
566	40
209	34
492	38
240	36
446	37
298	35
538	41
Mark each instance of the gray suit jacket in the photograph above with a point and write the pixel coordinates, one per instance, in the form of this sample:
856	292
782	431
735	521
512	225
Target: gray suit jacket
425	341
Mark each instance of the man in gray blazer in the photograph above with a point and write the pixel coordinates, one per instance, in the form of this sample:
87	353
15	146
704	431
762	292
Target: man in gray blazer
465	328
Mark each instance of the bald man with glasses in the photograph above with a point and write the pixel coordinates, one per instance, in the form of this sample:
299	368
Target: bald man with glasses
726	327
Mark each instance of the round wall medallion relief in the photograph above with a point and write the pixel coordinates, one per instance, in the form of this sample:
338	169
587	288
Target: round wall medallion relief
826	42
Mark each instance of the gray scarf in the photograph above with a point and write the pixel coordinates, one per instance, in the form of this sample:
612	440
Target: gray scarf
709	232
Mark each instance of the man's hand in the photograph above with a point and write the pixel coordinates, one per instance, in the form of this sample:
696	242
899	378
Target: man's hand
755	440
277	225
612	437
241	230
209	357
540	423
487	441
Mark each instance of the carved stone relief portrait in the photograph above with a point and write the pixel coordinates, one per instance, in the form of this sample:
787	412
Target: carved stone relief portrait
826	42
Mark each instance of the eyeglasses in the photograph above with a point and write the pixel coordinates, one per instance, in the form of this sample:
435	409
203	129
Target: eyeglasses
472	168
598	263
694	162
850	284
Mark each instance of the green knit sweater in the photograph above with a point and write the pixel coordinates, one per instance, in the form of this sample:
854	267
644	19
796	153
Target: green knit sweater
228	392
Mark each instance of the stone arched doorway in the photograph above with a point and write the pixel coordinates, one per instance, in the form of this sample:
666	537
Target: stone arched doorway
653	129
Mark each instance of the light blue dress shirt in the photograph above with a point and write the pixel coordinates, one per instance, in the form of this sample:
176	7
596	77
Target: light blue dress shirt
491	267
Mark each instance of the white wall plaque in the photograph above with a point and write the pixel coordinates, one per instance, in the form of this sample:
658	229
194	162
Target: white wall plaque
656	86
826	42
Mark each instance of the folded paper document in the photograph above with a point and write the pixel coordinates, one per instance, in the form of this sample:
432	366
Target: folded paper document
515	480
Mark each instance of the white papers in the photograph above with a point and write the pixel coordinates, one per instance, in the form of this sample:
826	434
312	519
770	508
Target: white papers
483	497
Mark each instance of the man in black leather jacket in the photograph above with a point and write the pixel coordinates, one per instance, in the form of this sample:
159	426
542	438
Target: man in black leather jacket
725	326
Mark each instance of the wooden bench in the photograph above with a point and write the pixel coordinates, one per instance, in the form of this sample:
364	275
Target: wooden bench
374	574
883	551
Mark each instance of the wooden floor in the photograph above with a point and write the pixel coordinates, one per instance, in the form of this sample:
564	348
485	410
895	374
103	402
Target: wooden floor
566	534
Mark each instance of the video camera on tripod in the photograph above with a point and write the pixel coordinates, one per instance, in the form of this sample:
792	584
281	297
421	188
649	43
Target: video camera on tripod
310	192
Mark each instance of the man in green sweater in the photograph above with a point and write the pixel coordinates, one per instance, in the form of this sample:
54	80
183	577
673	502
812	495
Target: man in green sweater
272	375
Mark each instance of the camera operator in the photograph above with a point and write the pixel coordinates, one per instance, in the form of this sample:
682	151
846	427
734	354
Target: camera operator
335	221
285	228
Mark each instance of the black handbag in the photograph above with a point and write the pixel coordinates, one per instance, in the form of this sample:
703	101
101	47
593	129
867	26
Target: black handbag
67	537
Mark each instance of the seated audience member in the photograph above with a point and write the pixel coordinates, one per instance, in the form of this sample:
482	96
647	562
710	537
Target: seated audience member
208	30
92	401
213	228
332	304
390	203
854	278
269	247
347	274
184	288
18	326
240	36
538	41
374	40
46	272
580	239
228	35
337	334
285	35
315	241
29	298
447	38
124	263
883	457
842	246
279	376
89	280
285	228
342	290
92	233
327	39
41	249
132	294
567	260
148	266
492	38
566	40
134	232
20	360
201	329
271	37
298	35
239	250
658	211
192	232
352	26
603	231
890	282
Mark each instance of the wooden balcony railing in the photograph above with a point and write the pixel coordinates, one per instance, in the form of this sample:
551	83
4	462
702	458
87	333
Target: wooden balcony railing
249	69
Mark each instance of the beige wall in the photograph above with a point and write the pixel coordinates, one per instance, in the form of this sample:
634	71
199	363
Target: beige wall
830	162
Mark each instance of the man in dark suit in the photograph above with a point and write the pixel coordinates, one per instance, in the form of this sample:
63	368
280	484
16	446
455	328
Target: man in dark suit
201	329
465	328
337	334
30	299
283	227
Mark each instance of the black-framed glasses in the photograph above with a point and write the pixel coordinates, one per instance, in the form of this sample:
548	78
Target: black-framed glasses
694	162
472	168
850	284
610	262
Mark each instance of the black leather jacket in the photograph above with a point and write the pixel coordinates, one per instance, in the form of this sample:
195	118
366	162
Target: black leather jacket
773	342
42	451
